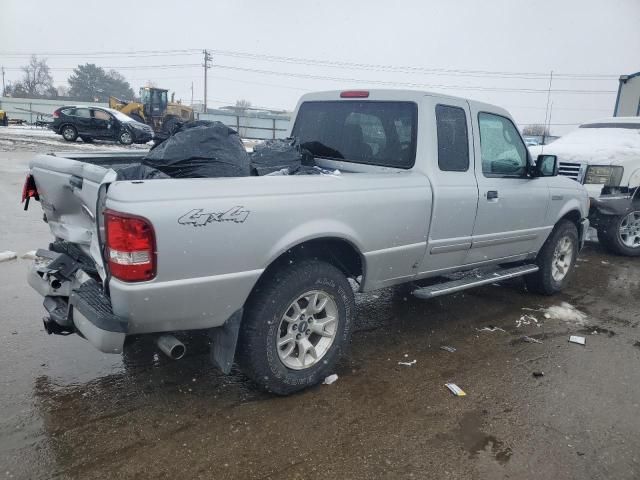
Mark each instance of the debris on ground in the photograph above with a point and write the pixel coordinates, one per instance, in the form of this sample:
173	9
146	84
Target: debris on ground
408	364
491	329
7	255
527	320
566	312
30	255
456	390
637	344
604	262
577	339
530	340
447	348
330	379
538	374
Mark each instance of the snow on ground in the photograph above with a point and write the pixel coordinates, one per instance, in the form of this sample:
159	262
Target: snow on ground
36	139
566	312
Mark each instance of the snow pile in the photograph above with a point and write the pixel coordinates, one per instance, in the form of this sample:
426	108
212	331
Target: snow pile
7	255
608	146
565	312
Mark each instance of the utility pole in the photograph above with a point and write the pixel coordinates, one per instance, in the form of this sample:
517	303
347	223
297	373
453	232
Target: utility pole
3	90
192	94
547	113
207	58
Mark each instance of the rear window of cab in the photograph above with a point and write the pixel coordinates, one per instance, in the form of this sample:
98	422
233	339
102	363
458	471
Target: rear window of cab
369	132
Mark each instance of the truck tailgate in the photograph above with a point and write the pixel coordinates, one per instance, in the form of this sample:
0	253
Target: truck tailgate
69	191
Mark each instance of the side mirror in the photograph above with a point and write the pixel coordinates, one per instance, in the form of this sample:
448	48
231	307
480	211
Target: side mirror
546	166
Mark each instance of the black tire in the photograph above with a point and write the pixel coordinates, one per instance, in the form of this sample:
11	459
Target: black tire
86	139
542	281
137	118
609	236
69	133
261	327
125	137
169	124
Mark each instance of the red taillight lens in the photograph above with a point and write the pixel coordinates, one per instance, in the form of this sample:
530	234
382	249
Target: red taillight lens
56	114
29	190
354	94
130	247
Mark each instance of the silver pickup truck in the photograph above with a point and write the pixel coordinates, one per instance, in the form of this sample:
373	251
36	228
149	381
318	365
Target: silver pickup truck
430	187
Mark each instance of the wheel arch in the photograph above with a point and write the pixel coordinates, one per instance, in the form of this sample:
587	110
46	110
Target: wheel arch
335	250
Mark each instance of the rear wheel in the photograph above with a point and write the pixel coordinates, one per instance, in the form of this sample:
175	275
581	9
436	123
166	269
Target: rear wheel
69	133
556	260
296	326
621	234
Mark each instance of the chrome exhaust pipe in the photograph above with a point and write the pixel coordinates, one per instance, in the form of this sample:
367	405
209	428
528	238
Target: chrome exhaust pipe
171	346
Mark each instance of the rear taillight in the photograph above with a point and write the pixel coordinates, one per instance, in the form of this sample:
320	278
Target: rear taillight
29	190
131	247
56	114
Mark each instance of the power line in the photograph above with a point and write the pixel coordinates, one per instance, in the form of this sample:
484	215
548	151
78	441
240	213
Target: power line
320	62
409	84
408	69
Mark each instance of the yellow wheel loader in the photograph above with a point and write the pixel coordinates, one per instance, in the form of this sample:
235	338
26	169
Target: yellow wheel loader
4	119
154	109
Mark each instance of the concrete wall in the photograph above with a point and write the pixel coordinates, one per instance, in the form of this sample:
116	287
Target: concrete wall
628	101
252	125
29	108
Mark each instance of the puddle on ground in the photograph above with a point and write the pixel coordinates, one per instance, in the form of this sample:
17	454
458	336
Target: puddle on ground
474	440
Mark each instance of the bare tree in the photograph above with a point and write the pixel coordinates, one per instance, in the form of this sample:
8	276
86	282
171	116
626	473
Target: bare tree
37	80
536	129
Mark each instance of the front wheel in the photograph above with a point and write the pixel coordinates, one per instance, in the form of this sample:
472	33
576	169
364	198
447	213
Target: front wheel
621	234
125	137
296	326
556	260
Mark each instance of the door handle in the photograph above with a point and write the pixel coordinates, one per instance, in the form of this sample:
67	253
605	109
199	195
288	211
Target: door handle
492	194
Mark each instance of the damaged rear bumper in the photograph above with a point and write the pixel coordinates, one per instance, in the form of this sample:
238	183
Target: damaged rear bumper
76	302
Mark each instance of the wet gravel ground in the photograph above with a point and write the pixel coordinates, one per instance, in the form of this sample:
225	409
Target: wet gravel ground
68	411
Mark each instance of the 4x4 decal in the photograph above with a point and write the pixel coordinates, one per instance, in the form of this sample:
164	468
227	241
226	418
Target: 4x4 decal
199	218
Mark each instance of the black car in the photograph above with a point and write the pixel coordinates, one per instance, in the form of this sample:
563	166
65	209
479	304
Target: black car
101	123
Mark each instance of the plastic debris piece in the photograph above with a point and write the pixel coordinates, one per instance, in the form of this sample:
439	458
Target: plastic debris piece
408	364
456	390
527	319
577	339
530	340
538	374
7	255
30	255
447	348
330	379
490	329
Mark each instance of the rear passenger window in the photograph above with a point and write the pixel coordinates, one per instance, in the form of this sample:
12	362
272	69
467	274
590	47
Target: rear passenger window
371	132
453	141
82	112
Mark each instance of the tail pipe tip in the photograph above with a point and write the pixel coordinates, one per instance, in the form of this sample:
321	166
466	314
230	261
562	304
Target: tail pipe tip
171	346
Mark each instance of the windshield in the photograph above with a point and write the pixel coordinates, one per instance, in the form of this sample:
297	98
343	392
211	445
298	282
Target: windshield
375	133
119	115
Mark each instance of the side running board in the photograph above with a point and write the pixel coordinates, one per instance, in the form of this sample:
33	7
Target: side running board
473	280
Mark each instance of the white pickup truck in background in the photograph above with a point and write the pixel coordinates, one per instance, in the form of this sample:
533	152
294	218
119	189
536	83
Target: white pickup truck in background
431	186
604	156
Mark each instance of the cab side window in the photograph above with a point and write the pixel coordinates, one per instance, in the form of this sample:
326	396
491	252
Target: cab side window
503	152
101	115
453	140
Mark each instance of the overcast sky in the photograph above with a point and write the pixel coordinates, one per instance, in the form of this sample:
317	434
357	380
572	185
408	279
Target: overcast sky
271	52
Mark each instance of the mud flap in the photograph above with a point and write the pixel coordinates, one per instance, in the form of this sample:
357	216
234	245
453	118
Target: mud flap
223	342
